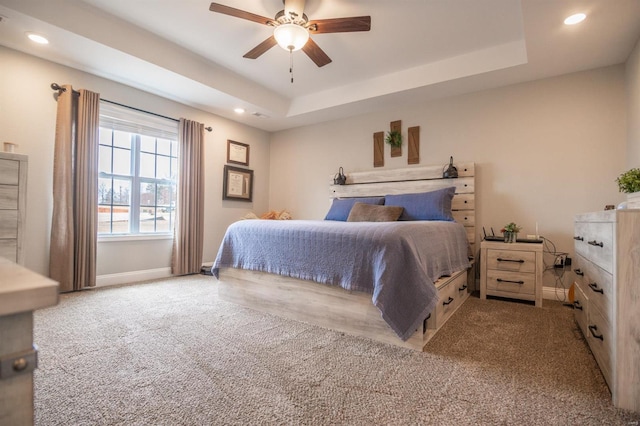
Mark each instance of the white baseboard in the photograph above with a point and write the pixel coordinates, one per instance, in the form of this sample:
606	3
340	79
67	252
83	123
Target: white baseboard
132	277
553	293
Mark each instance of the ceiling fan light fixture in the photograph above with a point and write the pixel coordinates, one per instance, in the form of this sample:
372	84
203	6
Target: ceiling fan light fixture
291	37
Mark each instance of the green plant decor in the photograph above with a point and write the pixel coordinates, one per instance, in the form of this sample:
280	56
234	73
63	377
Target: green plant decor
394	138
629	181
511	227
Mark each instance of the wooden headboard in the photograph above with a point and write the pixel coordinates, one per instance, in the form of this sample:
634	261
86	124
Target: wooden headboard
416	179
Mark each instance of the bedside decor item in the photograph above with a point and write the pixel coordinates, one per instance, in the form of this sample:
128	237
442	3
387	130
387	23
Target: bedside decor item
451	171
629	183
237	184
10	147
340	178
510	232
237	153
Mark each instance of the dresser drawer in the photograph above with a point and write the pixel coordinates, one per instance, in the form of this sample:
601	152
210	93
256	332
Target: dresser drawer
599	240
8	249
8	197
511	260
9	172
581	310
515	283
598	286
600	338
8	223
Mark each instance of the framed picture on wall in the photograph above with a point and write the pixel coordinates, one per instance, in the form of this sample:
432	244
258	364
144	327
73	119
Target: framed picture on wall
237	153
237	184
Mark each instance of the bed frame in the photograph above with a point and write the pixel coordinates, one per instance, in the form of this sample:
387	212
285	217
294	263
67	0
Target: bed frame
353	312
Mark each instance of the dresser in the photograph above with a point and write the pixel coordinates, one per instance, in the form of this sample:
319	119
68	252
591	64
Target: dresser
21	292
607	297
13	203
511	270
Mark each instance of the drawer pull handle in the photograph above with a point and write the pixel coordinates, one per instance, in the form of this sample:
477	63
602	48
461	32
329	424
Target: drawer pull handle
447	302
510	260
578	272
578	238
20	364
577	305
594	287
463	288
595	243
500	280
593	329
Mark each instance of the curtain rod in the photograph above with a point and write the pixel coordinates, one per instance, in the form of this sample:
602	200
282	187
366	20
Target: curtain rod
56	86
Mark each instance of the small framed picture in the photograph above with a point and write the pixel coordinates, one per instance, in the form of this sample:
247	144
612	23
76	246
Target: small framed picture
237	184
237	153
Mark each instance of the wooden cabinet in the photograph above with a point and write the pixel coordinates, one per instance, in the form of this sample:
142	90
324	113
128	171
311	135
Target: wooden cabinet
512	270
607	297
13	202
21	292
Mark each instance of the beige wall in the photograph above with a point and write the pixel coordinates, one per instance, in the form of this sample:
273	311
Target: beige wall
544	151
633	108
27	117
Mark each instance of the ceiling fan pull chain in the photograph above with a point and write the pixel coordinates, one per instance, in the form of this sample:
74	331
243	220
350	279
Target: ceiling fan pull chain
291	64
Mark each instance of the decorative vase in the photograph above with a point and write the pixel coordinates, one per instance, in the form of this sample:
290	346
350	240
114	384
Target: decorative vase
633	200
510	237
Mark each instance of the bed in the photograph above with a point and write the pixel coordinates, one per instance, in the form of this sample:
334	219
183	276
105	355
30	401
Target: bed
396	294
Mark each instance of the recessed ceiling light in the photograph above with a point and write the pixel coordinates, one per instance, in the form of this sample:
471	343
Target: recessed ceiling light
575	19
239	110
37	38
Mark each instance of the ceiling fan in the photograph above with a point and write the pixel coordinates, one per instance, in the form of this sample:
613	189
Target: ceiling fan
292	29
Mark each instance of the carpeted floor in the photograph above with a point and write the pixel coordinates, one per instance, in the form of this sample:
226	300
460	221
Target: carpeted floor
170	353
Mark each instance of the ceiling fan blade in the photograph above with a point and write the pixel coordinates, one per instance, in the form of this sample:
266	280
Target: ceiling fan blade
316	54
261	48
340	25
226	10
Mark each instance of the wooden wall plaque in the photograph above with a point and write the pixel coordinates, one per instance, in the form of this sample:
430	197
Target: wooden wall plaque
397	126
378	149
413	150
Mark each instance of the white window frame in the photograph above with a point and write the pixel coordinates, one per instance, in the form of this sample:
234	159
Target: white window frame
137	123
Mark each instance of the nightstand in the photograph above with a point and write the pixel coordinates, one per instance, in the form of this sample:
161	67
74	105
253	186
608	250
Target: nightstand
512	270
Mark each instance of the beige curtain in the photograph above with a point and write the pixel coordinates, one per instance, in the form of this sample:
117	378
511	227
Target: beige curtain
188	238
72	255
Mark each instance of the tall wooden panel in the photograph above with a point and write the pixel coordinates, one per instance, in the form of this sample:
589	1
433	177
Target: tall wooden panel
413	156
396	126
378	149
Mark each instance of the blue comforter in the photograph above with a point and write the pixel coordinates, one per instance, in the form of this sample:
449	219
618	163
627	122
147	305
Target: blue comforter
397	262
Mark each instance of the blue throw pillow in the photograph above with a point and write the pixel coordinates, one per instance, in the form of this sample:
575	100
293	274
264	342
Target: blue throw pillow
432	205
341	207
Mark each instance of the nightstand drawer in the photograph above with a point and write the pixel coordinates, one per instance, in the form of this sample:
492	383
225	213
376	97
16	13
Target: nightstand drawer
515	283
511	260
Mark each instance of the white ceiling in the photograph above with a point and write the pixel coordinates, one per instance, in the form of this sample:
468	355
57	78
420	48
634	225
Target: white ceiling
416	50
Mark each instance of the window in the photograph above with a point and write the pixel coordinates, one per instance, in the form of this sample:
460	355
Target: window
138	168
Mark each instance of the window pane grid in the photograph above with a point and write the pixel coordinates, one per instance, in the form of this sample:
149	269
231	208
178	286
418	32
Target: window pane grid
137	187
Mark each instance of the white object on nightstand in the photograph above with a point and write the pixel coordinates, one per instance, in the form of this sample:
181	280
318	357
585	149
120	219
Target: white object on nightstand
511	270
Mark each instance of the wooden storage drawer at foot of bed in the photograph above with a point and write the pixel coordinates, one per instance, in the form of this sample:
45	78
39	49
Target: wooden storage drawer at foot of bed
452	292
600	341
511	284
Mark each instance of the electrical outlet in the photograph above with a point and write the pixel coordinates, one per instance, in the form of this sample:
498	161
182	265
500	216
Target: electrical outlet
559	262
